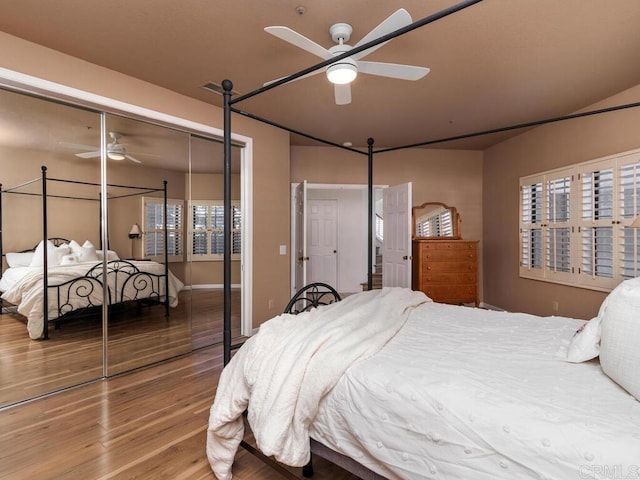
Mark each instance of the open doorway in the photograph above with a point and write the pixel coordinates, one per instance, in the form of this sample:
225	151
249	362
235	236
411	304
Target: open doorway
329	235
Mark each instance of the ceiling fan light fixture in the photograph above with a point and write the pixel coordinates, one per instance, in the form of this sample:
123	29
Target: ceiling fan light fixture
115	156
342	72
115	151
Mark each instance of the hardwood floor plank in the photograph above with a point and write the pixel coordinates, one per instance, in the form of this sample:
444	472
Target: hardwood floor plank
148	424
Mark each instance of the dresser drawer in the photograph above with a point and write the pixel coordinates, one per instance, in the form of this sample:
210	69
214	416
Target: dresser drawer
449	267
448	255
443	245
430	278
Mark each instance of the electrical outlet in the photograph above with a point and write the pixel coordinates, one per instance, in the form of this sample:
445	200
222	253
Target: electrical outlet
270	304
555	306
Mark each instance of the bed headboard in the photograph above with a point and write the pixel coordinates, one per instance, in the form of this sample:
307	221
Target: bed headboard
57	241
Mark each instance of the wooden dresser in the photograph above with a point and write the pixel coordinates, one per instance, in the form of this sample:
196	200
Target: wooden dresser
446	270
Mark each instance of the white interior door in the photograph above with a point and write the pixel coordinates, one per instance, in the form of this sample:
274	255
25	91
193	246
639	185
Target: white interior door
396	251
300	237
322	241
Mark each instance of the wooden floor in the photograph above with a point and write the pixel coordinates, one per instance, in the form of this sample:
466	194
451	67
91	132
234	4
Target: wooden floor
73	353
149	424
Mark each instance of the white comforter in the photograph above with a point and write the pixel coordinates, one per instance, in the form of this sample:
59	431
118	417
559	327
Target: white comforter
466	393
26	290
282	373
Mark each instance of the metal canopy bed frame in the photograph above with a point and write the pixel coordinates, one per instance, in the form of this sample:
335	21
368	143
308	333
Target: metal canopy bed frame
316	447
123	272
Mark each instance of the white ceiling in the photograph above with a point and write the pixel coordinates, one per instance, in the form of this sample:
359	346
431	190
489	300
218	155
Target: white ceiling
494	64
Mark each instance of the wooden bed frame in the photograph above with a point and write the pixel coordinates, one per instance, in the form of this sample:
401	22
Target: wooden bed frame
122	272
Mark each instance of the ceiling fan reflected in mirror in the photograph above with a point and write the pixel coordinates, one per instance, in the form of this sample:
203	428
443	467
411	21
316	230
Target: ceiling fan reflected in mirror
115	150
344	71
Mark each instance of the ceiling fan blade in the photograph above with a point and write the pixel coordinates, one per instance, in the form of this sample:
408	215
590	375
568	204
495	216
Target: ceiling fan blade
342	93
133	159
393	70
77	146
315	72
89	154
300	41
393	22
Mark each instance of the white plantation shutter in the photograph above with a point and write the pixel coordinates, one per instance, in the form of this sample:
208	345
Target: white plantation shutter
596	224
531	207
154	229
557	218
629	209
207	230
585	235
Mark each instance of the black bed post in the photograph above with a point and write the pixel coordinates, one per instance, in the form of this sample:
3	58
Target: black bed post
45	265
370	222
166	251
227	86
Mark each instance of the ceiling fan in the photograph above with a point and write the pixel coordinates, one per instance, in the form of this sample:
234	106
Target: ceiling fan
343	72
115	150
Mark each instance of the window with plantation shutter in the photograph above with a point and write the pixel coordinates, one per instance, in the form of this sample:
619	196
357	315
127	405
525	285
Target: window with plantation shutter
629	209
531	227
596	222
575	223
558	229
206	230
154	229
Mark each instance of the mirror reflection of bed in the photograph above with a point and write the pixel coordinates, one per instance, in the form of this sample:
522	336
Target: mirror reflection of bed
136	337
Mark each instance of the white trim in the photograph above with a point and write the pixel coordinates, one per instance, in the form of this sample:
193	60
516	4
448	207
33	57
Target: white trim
246	207
47	88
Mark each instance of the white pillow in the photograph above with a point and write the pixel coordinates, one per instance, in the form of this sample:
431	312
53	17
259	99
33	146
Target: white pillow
54	254
111	255
585	344
620	343
69	259
19	259
84	253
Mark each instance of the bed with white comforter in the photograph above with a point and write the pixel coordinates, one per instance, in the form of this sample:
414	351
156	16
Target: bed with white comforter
456	393
23	286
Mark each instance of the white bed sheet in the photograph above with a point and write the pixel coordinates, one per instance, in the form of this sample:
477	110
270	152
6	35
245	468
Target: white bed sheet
464	393
25	289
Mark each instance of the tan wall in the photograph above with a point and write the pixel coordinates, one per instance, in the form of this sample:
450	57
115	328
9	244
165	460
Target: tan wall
544	148
453	177
271	153
22	214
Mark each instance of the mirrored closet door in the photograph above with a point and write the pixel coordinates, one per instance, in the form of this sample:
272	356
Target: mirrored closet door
205	240
121	231
147	189
40	138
